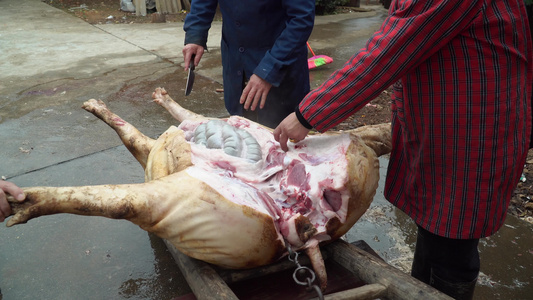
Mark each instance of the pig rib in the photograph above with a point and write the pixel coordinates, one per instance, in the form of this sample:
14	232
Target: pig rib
137	143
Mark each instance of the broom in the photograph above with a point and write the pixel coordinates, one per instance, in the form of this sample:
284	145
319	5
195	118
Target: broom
317	60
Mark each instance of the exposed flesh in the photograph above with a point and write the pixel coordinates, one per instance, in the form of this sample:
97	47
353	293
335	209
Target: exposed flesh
224	192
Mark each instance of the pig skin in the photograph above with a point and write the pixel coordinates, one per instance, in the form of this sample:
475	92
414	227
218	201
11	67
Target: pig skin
221	215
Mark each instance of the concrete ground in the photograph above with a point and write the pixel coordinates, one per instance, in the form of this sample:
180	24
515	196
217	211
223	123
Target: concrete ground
51	63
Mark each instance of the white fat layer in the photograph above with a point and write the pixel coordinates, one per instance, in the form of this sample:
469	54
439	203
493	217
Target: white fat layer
238	192
233	189
241	179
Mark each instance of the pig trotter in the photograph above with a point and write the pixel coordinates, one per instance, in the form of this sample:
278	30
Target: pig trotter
161	97
179	113
137	143
19	210
23	211
317	261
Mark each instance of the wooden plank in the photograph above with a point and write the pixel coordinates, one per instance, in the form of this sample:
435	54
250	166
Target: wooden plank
231	276
172	6
140	7
186	5
168	6
281	285
372	270
161	6
369	291
274	281
202	279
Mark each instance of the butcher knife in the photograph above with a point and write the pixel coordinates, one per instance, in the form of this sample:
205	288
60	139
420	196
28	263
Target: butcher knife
190	77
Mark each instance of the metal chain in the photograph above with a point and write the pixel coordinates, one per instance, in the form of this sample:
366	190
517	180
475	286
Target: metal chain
303	275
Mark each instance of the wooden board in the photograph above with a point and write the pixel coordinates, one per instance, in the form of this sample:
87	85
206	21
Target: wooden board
168	6
140	7
353	273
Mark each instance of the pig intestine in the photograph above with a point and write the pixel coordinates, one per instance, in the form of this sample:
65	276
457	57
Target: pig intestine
217	134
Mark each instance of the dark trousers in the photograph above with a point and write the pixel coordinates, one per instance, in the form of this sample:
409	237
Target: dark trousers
449	265
529	9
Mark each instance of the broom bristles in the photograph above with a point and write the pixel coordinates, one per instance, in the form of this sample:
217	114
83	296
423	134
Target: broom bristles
318	60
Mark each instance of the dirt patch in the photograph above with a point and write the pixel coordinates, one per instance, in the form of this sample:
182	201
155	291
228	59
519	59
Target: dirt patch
377	111
522	203
108	12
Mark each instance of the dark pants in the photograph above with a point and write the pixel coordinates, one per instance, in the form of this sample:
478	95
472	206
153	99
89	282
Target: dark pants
449	265
529	9
276	109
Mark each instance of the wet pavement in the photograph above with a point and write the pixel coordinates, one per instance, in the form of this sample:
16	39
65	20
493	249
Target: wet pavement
52	62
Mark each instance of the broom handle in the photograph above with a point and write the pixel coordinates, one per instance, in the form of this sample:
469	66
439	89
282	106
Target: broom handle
308	46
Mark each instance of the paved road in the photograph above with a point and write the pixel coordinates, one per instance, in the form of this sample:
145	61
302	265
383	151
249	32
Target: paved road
52	62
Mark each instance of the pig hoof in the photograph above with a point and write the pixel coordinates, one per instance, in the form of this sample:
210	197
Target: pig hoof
94	105
160	96
17	219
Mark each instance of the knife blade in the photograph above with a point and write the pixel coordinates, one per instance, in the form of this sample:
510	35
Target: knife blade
190	77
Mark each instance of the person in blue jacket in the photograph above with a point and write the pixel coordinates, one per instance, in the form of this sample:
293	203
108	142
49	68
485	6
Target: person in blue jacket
264	54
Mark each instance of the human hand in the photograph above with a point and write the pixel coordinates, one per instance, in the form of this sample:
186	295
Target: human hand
188	51
255	93
290	128
13	190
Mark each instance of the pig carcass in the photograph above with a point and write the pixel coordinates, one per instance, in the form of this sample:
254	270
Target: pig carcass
223	191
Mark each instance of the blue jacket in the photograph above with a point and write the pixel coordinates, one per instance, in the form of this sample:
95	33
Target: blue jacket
266	38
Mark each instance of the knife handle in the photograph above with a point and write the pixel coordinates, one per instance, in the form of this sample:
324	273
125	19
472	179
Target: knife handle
191	62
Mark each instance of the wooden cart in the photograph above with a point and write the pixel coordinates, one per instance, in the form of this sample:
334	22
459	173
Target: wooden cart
354	270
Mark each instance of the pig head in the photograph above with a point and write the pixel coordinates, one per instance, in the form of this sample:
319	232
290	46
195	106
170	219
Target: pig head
223	191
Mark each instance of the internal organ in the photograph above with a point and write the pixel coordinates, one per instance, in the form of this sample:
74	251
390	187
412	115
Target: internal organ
216	134
223	191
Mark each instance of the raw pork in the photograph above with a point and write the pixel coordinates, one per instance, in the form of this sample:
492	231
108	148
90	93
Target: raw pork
223	191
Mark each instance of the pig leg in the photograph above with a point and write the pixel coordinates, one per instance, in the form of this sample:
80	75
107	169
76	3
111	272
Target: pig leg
107	201
139	203
317	262
378	137
179	113
137	143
